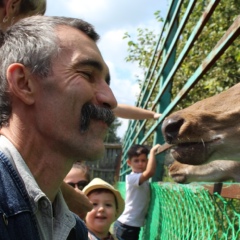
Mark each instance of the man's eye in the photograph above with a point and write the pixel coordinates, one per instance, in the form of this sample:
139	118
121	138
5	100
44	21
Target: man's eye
86	75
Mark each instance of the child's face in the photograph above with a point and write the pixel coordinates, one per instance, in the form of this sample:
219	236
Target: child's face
103	213
138	164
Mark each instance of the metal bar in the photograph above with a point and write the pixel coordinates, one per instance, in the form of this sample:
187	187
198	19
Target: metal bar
196	32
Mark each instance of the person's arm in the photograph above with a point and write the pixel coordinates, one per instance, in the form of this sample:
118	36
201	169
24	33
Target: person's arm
151	165
77	202
132	112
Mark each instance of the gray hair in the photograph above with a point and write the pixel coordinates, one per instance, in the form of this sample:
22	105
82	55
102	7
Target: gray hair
33	42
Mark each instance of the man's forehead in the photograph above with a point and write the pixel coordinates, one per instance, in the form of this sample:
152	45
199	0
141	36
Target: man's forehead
66	32
71	38
84	51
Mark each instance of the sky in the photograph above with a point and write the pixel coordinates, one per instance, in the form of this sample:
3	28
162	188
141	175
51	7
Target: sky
111	19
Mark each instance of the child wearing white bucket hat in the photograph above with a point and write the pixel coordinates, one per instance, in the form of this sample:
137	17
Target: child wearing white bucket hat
108	205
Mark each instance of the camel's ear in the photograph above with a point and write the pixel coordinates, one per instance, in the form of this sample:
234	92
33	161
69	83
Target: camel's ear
20	83
12	9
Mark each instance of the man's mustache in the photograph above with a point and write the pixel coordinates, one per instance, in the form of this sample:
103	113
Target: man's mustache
94	112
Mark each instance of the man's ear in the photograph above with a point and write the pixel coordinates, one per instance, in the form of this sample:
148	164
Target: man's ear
12	9
20	83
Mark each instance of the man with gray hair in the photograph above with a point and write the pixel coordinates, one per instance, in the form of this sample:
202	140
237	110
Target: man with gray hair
55	107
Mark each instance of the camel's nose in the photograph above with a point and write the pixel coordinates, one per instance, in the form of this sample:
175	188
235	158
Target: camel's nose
171	127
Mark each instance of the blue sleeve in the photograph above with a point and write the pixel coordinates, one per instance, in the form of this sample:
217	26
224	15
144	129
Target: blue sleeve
79	232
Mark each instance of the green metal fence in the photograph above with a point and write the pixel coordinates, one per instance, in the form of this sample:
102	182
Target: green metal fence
166	65
192	212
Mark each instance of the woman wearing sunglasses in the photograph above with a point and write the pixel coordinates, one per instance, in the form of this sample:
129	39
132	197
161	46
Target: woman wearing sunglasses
78	178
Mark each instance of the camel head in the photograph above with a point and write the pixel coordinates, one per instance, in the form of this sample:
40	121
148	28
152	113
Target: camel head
206	131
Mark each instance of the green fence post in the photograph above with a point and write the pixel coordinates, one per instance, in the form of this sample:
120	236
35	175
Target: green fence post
166	97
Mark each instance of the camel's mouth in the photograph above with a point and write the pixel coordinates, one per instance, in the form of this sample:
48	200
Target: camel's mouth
193	153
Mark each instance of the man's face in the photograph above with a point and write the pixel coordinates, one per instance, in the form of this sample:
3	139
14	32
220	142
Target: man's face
79	77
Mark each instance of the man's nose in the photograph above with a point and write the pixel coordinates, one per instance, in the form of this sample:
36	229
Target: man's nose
106	97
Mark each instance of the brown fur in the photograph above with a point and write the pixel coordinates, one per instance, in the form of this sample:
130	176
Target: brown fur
206	131
216	171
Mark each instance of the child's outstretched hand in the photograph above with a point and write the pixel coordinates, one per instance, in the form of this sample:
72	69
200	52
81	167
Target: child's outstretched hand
161	148
154	149
156	116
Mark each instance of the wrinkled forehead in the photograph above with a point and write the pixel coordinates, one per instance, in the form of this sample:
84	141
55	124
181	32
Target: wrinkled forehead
74	38
78	43
81	48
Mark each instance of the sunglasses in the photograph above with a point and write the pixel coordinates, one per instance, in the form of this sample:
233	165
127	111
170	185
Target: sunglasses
80	184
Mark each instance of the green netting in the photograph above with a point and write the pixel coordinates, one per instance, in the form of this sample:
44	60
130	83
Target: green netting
189	212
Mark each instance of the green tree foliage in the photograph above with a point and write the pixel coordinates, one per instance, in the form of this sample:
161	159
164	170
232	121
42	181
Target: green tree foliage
111	136
225	72
142	50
